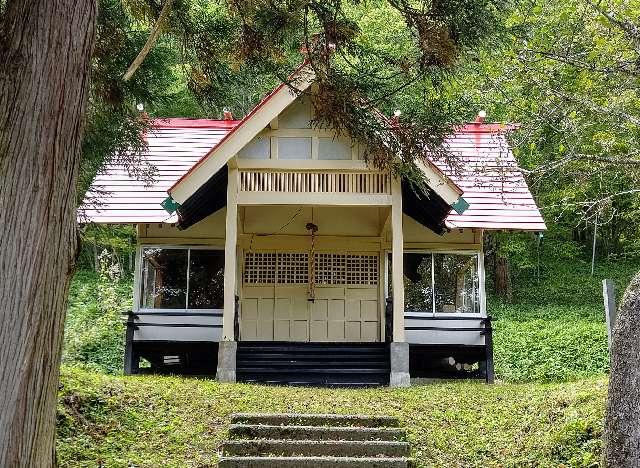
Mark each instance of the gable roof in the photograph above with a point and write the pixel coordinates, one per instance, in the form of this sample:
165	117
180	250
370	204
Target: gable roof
247	128
493	184
488	173
255	121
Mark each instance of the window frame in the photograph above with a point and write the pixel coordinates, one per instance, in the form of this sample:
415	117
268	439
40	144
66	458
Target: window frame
481	282
137	282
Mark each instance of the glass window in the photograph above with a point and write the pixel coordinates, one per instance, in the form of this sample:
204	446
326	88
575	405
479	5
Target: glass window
164	278
258	148
294	148
206	279
456	283
182	278
453	278
418	290
331	148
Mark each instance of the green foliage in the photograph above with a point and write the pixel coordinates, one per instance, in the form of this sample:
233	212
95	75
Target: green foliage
549	343
168	421
554	329
568	74
562	275
119	241
94	333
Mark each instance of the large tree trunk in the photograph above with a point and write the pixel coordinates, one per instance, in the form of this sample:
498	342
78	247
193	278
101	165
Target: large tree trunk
622	423
45	50
502	278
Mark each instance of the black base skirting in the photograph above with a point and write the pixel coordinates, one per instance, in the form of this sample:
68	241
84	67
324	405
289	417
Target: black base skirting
450	362
172	357
200	358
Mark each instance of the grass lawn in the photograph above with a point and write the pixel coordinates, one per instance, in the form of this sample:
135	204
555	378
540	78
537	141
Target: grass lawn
170	421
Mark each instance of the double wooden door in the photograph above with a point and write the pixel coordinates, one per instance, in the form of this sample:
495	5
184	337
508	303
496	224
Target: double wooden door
281	311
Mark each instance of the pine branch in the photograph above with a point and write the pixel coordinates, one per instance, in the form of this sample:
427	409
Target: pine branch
151	41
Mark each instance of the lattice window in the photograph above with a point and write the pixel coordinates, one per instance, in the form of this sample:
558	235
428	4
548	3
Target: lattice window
331	268
362	269
260	268
293	268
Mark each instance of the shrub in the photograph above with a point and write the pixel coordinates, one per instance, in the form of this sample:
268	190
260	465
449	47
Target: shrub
94	333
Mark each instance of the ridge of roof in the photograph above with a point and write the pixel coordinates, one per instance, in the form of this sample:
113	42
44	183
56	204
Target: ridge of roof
489	127
181	122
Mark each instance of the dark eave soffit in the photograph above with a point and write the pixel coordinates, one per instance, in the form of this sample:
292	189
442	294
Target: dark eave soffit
208	199
425	206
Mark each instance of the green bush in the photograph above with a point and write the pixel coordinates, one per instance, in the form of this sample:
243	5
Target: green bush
94	332
548	343
554	328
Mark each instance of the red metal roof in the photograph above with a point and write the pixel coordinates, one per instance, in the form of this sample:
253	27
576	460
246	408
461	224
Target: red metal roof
493	185
173	147
488	174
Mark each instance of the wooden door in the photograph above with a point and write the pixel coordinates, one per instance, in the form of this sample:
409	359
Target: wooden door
345	307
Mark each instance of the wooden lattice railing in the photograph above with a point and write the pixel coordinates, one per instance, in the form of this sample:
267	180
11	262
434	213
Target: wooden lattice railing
314	182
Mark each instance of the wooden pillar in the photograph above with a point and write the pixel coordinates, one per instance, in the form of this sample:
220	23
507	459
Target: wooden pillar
230	259
397	251
131	358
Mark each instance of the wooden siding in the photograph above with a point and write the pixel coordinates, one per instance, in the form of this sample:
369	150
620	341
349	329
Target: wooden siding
314	182
425	328
178	326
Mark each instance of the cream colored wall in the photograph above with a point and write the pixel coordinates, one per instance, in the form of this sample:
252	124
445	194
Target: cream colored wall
291	132
357	230
417	236
209	231
331	221
274	227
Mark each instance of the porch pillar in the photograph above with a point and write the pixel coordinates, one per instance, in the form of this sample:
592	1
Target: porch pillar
399	349
227	346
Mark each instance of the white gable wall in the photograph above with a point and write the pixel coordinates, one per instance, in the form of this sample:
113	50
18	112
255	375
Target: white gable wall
290	137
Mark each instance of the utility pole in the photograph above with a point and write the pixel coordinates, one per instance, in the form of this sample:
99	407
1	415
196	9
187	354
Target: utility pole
593	250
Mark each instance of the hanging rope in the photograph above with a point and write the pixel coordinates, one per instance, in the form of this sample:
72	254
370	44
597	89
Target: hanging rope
312	228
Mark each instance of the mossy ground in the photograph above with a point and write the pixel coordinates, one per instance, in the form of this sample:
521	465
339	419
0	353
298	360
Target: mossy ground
150	421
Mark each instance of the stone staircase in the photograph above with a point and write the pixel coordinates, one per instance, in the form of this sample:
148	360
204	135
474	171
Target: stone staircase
314	440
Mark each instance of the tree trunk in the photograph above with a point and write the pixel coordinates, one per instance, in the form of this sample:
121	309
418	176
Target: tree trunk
502	278
45	50
622	422
96	258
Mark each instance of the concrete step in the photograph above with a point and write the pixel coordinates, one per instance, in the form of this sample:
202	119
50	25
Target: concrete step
312	462
315	448
290	419
254	431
